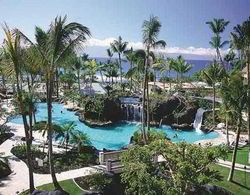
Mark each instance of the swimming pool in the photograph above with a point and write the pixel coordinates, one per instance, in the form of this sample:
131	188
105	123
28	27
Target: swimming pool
113	137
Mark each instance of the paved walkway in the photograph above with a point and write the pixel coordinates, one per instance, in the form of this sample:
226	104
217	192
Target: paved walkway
19	179
238	166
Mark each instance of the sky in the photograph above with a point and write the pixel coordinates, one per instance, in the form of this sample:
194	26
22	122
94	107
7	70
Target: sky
183	22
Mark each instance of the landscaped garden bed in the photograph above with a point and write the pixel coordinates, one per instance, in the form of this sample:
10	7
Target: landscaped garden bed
62	161
101	183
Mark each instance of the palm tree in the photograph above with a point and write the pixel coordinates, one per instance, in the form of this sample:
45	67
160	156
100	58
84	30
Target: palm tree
225	114
79	138
217	45
135	73
77	65
66	132
180	66
110	55
217	26
91	68
158	65
212	75
12	48
235	93
241	42
130	55
54	46
151	29
118	46
112	72
101	67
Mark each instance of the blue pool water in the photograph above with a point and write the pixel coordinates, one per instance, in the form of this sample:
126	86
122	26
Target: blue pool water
113	137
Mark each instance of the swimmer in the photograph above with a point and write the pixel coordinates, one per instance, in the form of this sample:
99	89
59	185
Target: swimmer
175	136
61	111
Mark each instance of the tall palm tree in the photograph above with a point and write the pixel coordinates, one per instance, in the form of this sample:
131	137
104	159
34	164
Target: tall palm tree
217	26
112	72
136	72
54	46
130	55
235	93
91	68
212	75
157	65
12	48
217	45
80	139
241	42
110	55
150	29
77	66
180	66
118	46
66	132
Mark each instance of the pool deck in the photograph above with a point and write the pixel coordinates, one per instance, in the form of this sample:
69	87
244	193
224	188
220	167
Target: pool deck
18	180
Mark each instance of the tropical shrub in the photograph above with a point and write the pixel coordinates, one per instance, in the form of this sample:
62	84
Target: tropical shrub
95	182
184	168
152	134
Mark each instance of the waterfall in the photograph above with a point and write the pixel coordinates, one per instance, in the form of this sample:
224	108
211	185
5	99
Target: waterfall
198	119
131	112
160	123
131	108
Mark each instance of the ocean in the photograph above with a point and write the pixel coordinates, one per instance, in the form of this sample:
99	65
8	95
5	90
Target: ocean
197	66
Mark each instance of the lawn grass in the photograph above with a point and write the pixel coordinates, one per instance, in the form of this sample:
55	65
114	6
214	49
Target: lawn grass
239	186
68	185
242	156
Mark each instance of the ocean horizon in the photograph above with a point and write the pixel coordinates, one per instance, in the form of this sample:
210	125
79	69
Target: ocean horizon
197	65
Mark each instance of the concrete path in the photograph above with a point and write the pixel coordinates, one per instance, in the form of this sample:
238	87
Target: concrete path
238	166
19	179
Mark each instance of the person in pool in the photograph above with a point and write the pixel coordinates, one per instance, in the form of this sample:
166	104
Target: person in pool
175	135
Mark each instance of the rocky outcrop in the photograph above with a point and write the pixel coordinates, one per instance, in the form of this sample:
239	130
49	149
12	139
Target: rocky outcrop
107	114
112	110
184	126
174	111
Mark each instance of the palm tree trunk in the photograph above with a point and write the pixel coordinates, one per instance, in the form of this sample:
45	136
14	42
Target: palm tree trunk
227	133
101	76
154	77
79	82
148	113
147	66
143	104
131	79
230	177
214	105
27	136
219	56
57	84
34	116
120	63
248	94
3	80
50	132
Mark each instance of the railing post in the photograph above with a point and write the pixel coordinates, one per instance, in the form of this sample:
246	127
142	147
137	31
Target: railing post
101	158
109	163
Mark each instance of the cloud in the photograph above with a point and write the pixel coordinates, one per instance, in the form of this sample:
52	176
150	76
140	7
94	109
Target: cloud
199	51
